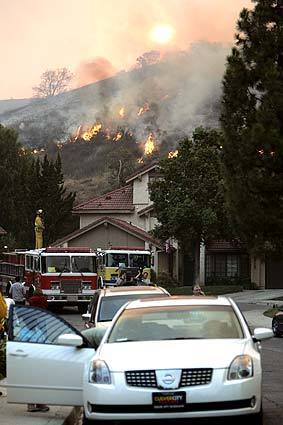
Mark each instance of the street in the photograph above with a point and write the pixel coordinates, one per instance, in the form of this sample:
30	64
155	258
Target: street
272	351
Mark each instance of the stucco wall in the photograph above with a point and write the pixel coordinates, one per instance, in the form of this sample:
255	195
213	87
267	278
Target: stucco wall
140	190
258	271
103	236
86	219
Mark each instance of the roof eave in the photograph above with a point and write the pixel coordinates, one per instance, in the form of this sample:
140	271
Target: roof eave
141	173
98	211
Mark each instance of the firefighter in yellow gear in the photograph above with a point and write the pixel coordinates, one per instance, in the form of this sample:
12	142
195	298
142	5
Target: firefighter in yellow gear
38	228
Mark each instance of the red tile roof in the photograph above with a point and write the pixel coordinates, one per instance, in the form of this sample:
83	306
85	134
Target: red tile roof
124	225
119	199
225	246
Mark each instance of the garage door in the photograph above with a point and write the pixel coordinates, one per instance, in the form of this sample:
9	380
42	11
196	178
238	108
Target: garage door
274	274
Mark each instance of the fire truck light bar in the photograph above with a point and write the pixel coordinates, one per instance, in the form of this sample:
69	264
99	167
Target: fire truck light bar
52	249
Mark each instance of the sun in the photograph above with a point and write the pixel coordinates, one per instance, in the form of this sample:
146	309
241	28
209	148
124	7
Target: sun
162	34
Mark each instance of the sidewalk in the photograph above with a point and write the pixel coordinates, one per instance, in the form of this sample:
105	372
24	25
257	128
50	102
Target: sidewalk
263	299
16	414
260	296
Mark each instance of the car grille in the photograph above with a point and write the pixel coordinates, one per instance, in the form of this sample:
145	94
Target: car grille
192	377
141	378
189	377
71	286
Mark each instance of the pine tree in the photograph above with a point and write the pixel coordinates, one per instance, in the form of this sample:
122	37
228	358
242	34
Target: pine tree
15	169
53	200
252	120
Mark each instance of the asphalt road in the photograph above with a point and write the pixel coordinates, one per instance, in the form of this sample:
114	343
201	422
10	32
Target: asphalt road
272	356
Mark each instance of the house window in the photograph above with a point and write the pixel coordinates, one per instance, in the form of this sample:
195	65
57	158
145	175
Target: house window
221	266
232	264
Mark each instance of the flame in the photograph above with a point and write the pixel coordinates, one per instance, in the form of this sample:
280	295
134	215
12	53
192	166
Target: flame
149	146
92	131
140	160
122	112
77	133
117	137
143	109
173	154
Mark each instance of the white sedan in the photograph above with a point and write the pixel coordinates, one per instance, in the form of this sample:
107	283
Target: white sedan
173	357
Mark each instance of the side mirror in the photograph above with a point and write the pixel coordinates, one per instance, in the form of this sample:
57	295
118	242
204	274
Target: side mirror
86	317
71	340
262	333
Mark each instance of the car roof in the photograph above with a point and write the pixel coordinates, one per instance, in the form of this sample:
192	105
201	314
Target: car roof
128	290
180	301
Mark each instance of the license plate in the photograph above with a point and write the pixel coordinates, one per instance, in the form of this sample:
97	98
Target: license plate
169	400
72	298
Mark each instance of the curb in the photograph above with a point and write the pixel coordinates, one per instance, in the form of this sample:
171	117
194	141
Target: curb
74	416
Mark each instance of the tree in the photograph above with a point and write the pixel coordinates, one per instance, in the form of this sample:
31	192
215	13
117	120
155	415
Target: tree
122	159
252	121
15	167
188	198
53	199
26	185
53	82
148	58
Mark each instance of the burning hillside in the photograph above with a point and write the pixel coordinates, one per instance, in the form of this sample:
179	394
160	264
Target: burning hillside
173	96
148	141
128	119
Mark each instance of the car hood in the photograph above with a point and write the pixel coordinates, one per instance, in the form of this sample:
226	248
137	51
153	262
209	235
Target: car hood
213	353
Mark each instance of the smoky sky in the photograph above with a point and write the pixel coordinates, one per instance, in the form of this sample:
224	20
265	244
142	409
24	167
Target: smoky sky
36	35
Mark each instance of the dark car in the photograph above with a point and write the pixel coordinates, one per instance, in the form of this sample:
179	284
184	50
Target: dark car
277	322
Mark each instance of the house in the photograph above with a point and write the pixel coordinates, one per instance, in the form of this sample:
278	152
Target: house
121	218
124	218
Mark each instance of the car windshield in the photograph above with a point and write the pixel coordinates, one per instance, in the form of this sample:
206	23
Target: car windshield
110	305
176	322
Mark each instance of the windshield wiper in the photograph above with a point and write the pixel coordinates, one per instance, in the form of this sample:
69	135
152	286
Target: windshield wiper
181	337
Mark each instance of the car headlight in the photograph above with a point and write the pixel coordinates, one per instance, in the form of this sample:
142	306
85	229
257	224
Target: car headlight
241	368
99	373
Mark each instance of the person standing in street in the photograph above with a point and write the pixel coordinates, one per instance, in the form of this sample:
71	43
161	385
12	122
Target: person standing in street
38	299
17	292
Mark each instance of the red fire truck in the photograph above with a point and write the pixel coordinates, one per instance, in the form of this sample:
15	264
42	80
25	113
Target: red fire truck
67	276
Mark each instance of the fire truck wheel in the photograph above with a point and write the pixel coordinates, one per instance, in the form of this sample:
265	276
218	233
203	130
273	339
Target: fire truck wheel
82	308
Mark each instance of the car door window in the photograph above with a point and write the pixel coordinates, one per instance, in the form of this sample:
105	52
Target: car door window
34	325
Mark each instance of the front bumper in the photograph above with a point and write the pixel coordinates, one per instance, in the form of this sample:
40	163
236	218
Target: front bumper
119	401
60	297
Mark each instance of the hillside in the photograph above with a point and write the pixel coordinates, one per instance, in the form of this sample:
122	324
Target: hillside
157	104
12	105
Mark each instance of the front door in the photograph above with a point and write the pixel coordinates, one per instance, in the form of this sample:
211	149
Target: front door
39	370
